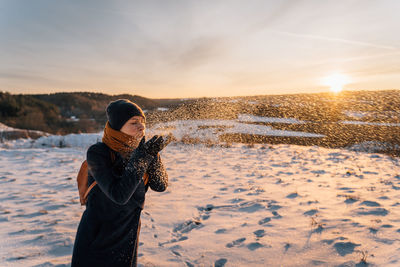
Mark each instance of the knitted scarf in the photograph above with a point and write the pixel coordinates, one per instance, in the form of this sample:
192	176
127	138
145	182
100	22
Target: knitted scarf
121	143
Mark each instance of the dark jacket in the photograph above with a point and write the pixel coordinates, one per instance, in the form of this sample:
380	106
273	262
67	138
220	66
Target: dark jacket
109	228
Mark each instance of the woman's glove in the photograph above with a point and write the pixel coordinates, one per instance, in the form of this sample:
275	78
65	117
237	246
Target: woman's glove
145	153
155	144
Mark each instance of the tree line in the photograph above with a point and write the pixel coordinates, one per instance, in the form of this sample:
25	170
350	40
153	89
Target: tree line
61	113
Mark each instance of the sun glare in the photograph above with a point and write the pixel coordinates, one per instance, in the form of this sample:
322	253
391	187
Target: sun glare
336	82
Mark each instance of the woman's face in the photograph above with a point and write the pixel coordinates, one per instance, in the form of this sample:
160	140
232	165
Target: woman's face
135	127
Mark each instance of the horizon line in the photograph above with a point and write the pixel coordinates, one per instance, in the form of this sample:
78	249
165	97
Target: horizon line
199	97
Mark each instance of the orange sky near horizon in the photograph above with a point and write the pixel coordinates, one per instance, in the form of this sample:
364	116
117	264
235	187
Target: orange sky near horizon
169	49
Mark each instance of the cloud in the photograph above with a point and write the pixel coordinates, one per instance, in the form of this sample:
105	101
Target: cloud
17	76
338	40
274	14
201	51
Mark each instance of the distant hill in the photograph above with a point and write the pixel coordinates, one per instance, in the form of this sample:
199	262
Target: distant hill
62	113
85	104
28	112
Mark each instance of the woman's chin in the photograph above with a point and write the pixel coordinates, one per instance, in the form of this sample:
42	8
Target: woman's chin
139	135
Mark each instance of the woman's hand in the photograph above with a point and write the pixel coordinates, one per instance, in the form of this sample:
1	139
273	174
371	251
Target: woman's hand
155	144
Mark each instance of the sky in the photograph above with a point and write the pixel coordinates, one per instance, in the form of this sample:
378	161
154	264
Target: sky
177	49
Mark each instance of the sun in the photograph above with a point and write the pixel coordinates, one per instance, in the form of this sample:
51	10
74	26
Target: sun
336	82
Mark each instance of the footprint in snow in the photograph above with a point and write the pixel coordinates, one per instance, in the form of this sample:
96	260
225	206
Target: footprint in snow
376	211
310	212
220	231
292	195
259	233
370	203
220	262
254	246
264	221
235	243
344	248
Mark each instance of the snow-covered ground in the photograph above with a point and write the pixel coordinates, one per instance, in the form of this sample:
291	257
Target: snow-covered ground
238	205
203	130
279	205
7	133
4	127
371	123
252	118
212	129
355	114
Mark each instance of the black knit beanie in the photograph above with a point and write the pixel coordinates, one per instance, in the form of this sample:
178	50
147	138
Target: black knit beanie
120	111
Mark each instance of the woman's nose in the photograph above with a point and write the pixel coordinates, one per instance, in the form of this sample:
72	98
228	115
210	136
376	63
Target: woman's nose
141	127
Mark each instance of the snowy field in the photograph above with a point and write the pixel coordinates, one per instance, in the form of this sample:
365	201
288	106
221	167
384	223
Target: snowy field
261	205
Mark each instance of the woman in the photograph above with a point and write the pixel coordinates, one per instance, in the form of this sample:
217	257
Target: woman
124	167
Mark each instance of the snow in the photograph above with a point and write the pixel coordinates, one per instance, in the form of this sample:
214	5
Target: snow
212	129
204	130
356	114
371	123
236	205
266	130
267	205
4	127
373	146
73	119
70	140
252	118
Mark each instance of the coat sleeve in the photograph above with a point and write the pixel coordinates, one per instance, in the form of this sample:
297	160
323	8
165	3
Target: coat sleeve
158	177
117	188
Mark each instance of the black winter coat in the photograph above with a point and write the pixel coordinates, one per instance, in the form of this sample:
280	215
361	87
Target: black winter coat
109	229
